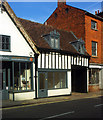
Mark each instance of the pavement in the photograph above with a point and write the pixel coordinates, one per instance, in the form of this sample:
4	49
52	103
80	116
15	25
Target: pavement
40	101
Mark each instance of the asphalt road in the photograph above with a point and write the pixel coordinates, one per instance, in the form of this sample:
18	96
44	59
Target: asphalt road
84	108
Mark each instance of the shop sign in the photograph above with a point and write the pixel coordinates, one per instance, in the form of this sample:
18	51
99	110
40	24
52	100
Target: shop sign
16	58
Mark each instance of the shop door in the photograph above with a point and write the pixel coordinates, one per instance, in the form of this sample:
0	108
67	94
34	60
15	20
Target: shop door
4	81
42	85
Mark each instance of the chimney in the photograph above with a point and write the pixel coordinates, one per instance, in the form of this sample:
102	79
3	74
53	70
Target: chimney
61	3
95	12
98	11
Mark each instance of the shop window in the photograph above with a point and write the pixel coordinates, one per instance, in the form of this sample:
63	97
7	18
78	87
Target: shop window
50	80
57	80
22	76
94	76
93	25
94	48
63	79
4	43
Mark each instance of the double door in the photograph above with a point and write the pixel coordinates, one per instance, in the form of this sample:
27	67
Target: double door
42	85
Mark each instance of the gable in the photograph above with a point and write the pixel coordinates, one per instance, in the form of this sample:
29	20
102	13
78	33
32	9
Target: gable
18	44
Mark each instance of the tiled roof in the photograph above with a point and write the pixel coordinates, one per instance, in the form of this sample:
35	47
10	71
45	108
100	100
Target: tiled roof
36	31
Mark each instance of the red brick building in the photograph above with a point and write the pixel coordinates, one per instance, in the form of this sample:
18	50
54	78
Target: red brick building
87	26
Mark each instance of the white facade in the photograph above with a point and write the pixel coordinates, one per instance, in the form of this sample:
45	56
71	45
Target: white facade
18	48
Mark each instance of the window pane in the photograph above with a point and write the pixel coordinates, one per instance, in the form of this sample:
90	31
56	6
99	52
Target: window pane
63	79
5	42
52	42
94	48
56	43
57	79
94	76
28	76
50	80
23	76
94	25
16	76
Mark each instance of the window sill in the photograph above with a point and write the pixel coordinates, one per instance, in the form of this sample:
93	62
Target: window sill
93	84
5	50
94	29
94	56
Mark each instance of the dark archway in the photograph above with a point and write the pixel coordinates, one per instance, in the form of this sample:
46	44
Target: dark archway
79	79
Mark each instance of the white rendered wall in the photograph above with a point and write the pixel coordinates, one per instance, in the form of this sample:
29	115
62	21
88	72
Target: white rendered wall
19	46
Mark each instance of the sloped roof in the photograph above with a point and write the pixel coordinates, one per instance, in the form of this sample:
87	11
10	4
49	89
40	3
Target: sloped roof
37	31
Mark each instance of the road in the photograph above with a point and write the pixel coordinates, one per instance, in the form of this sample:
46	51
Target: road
84	108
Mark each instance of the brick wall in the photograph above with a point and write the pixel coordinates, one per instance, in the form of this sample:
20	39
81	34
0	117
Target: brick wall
76	21
69	19
93	35
102	44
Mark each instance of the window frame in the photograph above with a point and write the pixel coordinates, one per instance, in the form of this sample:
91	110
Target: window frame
5	43
55	40
95	24
96	49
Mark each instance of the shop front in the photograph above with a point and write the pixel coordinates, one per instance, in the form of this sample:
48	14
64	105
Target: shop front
17	77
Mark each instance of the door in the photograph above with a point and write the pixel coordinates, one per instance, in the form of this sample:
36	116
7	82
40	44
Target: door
4	85
42	85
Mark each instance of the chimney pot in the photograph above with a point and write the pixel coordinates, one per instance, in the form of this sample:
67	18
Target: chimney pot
95	12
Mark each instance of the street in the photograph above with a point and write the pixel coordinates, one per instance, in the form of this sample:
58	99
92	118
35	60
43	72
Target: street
84	108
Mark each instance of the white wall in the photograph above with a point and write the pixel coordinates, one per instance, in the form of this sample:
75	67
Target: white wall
19	46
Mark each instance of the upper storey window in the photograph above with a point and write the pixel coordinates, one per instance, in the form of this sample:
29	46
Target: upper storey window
53	39
93	25
4	43
94	48
79	45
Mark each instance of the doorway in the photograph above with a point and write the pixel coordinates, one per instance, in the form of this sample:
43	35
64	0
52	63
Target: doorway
6	78
42	90
79	79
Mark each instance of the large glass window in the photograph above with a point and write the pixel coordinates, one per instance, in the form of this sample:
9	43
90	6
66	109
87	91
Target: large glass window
63	79
4	43
94	76
57	80
50	80
22	76
94	48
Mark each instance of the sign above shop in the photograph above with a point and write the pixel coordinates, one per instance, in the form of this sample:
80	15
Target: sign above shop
16	58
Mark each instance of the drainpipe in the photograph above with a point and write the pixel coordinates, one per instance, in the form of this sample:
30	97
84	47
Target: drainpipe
36	69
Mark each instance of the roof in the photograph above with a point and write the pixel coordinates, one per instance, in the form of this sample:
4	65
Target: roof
14	18
37	31
88	13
